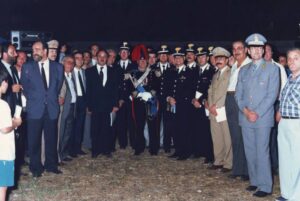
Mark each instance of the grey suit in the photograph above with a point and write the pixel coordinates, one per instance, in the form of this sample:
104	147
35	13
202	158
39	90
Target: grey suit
66	121
257	90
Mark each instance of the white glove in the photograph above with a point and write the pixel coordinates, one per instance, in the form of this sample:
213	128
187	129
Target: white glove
145	96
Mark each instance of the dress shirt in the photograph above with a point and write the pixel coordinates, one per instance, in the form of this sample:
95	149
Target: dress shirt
78	87
234	74
104	70
71	86
46	65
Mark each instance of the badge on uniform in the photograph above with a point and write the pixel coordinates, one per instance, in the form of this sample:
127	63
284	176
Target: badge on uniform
157	73
182	78
127	76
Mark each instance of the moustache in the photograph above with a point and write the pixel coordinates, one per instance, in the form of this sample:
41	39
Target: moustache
218	63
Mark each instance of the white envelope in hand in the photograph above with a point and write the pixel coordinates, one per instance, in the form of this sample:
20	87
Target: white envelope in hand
221	114
198	95
18	111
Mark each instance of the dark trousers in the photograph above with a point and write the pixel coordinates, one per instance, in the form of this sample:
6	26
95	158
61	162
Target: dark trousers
21	145
101	133
200	134
139	125
273	143
167	132
239	162
80	114
34	131
123	126
154	134
182	127
66	133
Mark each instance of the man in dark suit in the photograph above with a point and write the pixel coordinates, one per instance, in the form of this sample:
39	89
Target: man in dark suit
159	79
9	55
201	137
123	121
42	80
102	100
80	110
179	98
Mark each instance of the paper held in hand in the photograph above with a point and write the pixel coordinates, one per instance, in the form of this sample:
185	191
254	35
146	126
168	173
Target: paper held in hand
198	95
221	114
18	111
113	116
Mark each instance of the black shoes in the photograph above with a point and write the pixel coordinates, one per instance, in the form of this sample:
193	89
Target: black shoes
251	188
261	194
215	167
225	170
175	155
80	152
36	175
67	159
54	171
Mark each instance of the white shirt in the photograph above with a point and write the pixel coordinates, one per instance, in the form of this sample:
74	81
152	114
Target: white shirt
46	69
122	62
7	141
192	65
94	61
78	87
180	68
7	66
71	86
104	70
283	76
234	74
22	95
166	65
204	67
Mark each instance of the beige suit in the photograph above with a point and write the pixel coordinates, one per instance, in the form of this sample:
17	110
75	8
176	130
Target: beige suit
220	131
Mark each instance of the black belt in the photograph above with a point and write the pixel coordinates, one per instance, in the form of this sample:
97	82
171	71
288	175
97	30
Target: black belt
231	92
284	117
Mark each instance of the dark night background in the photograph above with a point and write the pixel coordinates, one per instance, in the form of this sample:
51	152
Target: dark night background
153	20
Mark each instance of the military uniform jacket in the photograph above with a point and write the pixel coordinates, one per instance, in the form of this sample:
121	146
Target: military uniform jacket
257	90
159	81
146	84
124	85
180	86
203	80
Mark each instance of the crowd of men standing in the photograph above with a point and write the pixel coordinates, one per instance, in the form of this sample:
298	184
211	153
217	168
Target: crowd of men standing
202	102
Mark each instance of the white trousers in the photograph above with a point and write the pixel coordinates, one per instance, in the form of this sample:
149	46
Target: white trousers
289	158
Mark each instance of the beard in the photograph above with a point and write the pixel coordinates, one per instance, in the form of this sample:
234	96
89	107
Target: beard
37	57
11	60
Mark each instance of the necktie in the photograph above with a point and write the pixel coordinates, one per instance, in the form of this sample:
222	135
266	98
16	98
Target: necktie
14	75
101	75
219	74
254	67
164	68
200	71
123	65
81	83
44	76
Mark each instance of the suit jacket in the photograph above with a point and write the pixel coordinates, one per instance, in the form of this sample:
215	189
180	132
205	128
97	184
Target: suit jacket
203	81
10	97
159	81
101	98
257	90
67	105
218	89
180	86
38	98
124	85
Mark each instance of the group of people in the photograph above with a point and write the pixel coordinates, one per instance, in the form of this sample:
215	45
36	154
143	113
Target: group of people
201	102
